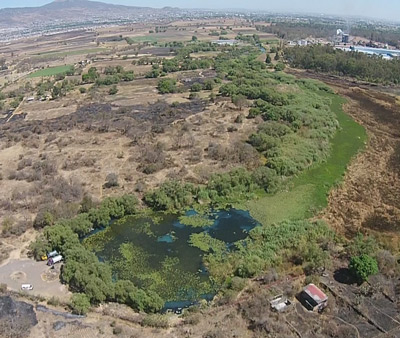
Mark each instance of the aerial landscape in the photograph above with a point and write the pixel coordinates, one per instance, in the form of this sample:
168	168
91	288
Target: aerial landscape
199	170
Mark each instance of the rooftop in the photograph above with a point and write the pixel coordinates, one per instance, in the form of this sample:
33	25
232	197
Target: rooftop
315	293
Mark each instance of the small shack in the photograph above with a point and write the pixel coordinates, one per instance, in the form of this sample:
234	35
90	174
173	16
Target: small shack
280	303
313	298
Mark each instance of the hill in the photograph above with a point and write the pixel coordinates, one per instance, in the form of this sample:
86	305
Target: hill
61	12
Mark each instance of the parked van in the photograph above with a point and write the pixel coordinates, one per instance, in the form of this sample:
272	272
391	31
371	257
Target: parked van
26	287
52	254
54	260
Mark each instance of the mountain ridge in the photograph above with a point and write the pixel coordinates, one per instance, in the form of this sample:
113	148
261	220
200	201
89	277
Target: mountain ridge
80	11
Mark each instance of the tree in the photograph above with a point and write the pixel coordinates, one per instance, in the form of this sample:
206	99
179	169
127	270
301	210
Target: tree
194	38
99	217
86	204
80	303
363	266
61	237
43	219
81	224
315	258
166	86
39	247
196	87
85	274
239	101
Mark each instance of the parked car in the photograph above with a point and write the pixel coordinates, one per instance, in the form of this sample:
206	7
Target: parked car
26	287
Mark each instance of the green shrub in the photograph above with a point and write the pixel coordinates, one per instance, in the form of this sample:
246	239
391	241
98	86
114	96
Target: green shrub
117	330
113	90
363	266
156	320
166	86
54	301
80	303
196	87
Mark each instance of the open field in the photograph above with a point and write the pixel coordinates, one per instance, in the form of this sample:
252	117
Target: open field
70	53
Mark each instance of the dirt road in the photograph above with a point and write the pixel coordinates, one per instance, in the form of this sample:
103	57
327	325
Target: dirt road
45	281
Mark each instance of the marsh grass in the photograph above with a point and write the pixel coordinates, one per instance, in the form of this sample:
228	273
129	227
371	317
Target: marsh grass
308	192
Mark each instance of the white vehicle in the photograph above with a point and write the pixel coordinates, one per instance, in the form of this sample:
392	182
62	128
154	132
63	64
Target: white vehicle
52	254
54	260
26	287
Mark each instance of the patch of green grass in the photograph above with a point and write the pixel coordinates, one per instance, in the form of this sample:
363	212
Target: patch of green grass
70	53
270	41
50	71
146	38
309	192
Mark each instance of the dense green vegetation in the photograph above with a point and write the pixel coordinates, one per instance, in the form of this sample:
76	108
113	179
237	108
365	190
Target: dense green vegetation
300	30
82	270
354	64
389	35
51	71
295	135
272	246
166	86
308	192
112	76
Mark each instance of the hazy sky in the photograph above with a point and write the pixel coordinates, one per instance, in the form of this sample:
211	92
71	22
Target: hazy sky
389	9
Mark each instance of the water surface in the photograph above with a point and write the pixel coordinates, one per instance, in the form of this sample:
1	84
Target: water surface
156	254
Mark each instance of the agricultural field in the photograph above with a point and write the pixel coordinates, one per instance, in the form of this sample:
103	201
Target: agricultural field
51	71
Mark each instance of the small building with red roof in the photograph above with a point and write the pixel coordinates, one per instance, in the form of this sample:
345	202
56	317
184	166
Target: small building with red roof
313	298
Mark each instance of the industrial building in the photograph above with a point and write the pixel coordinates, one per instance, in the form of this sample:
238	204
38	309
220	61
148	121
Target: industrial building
341	37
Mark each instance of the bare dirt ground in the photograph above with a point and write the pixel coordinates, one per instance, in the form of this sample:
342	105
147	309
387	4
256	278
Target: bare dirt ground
45	281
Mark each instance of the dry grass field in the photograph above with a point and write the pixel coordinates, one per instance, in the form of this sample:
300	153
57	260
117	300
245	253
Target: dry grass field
80	137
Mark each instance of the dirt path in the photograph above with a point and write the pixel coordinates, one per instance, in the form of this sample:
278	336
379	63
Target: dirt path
18	247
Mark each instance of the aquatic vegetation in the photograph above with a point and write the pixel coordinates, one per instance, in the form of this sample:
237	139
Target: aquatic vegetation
196	220
166	257
206	243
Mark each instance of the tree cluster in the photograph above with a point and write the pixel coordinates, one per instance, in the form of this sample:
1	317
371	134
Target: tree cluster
326	59
86	276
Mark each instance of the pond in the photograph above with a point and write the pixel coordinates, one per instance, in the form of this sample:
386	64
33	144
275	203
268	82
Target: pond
163	254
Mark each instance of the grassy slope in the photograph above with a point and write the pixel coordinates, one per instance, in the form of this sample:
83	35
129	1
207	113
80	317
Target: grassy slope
50	71
308	192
